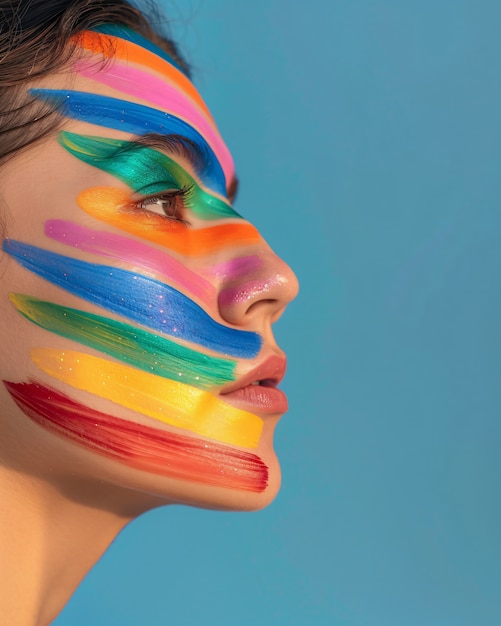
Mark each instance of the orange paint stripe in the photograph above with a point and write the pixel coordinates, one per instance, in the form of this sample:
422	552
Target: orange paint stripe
110	46
113	206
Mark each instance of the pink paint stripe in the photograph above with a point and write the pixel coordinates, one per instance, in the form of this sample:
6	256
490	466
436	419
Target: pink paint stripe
236	267
133	252
156	91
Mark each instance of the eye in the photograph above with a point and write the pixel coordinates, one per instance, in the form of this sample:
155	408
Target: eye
168	204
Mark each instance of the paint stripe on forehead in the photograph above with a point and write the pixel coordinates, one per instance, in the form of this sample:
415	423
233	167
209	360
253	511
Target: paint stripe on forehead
110	205
133	53
140	446
136	119
135	253
137	347
144	300
130	35
157	92
170	402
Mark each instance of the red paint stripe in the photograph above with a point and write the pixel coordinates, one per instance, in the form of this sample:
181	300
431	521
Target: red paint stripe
139	446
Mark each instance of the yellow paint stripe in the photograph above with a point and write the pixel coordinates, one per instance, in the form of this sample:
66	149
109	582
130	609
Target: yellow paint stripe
168	401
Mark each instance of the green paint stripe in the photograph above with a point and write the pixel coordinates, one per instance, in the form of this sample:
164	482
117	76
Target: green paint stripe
126	343
145	171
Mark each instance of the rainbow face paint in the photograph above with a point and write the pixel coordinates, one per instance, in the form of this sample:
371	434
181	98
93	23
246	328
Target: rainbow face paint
157	347
139	446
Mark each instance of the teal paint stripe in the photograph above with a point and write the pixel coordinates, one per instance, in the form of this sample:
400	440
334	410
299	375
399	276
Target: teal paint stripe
133	346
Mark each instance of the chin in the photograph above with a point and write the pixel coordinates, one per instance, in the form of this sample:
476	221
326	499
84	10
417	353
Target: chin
164	491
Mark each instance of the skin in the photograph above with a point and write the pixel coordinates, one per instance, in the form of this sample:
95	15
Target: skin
68	502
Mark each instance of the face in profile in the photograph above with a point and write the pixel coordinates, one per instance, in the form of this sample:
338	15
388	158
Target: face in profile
141	301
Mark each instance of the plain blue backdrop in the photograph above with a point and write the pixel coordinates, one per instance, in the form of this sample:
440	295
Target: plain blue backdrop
367	137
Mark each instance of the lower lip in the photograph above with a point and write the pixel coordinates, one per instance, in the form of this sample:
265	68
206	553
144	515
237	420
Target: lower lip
258	398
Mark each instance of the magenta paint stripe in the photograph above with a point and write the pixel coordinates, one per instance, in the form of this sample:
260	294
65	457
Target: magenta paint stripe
236	267
158	92
138	254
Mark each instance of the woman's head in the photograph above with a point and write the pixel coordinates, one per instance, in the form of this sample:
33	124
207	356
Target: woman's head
141	302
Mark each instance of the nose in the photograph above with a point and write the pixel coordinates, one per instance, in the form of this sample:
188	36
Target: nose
255	286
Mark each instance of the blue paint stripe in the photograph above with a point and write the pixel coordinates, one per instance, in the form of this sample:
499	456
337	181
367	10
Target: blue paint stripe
137	119
144	300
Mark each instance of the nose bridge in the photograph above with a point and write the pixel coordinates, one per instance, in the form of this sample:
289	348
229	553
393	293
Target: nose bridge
255	282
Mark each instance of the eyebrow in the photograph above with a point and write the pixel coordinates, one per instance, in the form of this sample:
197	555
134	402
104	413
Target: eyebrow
178	145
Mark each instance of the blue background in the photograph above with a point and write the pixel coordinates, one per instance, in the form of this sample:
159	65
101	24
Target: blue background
367	137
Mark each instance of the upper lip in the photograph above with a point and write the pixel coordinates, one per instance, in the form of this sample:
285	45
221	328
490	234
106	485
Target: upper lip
269	373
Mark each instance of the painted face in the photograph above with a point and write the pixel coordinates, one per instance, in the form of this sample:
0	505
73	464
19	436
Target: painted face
141	301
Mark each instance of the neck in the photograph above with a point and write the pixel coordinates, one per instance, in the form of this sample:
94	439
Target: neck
50	542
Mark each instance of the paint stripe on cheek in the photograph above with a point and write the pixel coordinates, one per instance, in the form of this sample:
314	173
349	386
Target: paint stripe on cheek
129	344
127	250
170	402
139	298
138	446
105	203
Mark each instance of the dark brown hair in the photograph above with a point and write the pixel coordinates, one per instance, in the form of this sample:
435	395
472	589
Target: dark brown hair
35	41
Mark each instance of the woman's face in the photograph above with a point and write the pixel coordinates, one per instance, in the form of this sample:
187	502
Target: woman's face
137	304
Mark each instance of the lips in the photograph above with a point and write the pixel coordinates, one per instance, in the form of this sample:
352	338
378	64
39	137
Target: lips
258	390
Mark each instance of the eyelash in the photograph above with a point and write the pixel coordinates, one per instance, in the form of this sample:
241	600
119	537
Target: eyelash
173	198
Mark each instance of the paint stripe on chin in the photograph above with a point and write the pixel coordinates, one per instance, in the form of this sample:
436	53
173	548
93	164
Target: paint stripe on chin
144	300
138	446
170	402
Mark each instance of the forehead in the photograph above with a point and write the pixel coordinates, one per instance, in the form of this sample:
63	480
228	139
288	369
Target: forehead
140	90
